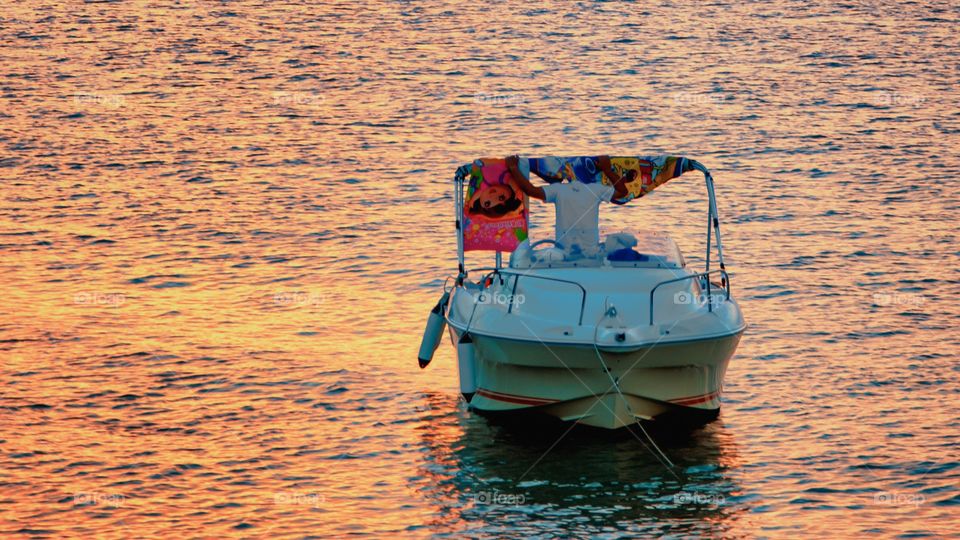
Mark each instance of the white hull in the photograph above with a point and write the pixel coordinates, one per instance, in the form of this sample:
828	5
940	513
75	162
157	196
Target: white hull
679	378
542	340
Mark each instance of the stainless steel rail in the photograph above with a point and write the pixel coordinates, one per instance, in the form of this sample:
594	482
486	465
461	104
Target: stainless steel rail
517	275
726	279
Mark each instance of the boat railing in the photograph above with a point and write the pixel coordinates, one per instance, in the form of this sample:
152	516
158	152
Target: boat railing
491	272
513	293
700	275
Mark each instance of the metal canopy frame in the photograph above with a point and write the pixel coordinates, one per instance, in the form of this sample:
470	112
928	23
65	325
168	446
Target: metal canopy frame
713	223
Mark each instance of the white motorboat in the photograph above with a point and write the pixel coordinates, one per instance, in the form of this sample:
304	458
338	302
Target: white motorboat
629	334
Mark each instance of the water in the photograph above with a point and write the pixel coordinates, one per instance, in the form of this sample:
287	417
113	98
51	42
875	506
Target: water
223	225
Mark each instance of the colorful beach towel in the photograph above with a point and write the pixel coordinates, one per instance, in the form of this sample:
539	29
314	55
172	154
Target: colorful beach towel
651	171
495	213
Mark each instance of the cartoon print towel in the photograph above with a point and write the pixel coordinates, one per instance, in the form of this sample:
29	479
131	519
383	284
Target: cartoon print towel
651	171
495	213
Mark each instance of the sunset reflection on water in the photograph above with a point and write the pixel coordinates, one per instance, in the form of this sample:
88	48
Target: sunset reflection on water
223	226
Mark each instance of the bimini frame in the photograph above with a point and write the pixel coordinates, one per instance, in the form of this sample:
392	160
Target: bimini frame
713	222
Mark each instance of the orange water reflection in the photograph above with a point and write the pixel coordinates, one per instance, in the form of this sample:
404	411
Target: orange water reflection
223	225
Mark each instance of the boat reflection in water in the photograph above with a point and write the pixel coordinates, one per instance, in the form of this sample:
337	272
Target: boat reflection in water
484	475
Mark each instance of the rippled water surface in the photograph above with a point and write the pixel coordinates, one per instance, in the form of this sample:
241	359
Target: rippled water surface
223	224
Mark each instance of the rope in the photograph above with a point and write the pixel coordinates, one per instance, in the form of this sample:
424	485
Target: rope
659	454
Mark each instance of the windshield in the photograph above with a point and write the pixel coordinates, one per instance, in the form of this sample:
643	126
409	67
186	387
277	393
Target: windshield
641	250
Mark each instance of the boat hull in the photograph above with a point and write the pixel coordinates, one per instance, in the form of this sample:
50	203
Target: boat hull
668	381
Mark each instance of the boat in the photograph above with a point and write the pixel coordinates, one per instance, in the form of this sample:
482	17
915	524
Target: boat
630	334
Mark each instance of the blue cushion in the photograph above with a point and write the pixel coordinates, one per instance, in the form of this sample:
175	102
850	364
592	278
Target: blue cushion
627	254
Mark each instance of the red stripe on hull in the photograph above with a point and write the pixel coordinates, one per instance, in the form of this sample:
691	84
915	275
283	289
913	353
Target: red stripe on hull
510	398
526	400
693	400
